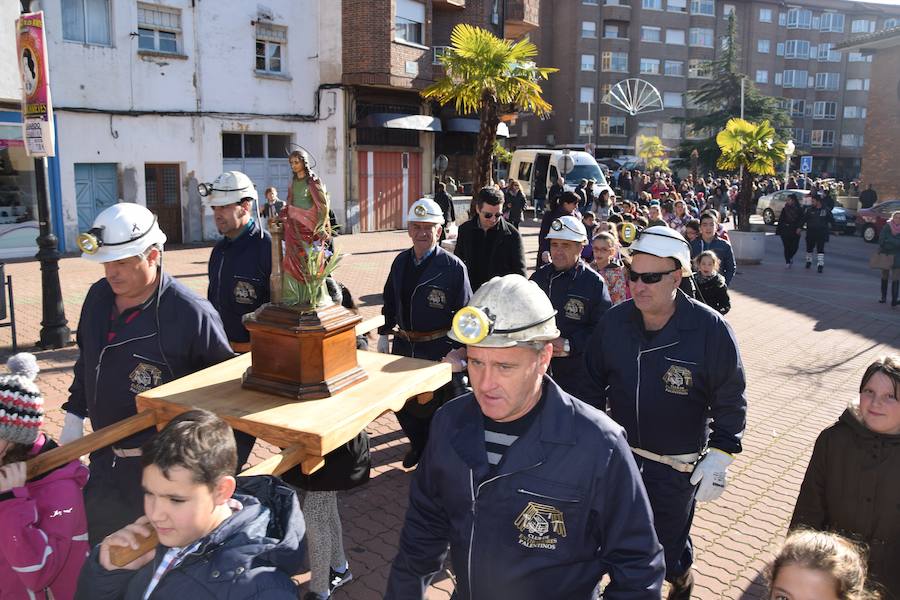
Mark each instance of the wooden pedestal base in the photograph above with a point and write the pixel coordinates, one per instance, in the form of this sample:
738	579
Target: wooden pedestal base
302	355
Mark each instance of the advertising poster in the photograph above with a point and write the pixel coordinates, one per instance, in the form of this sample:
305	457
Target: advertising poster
37	111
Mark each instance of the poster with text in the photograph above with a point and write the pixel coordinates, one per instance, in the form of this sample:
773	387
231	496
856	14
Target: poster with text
37	110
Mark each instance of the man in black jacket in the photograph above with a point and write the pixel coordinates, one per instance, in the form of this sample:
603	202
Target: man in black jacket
487	244
445	201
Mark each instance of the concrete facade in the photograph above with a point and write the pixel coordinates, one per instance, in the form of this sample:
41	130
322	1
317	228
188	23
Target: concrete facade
121	103
597	44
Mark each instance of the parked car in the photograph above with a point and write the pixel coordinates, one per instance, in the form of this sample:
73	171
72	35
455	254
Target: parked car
869	221
771	205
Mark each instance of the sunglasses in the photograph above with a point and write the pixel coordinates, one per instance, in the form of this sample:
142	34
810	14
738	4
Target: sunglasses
488	215
647	278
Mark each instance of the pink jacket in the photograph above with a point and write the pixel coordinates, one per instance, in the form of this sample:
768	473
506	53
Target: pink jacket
43	536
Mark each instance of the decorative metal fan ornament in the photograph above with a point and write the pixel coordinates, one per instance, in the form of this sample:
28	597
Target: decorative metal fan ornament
634	96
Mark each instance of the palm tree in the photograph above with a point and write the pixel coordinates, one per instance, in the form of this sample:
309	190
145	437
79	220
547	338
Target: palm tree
485	74
753	147
652	150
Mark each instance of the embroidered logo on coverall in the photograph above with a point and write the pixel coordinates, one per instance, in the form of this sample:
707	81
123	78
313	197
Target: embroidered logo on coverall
244	293
539	524
144	377
677	380
436	299
574	309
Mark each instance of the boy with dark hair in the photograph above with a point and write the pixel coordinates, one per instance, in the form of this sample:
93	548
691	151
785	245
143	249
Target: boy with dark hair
213	542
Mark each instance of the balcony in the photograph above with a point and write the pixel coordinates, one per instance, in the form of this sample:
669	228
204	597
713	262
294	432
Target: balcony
521	17
615	12
448	4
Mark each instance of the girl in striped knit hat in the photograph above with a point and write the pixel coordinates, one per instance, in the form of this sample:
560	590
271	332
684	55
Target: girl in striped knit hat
43	529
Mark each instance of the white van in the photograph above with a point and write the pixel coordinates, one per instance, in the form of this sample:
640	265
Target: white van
537	168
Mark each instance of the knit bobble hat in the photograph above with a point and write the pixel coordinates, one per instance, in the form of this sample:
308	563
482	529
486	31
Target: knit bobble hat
21	404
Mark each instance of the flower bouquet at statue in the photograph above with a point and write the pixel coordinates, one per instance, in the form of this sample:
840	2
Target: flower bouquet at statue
303	343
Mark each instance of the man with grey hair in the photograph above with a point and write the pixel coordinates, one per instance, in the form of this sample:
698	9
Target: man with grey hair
535	492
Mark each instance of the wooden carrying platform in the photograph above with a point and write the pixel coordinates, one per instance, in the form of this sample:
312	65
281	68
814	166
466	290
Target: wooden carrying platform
307	429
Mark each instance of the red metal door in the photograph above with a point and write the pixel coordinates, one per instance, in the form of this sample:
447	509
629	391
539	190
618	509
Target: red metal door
389	182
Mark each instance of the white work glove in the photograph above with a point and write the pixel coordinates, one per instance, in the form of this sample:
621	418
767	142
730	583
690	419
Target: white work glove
384	346
72	430
710	473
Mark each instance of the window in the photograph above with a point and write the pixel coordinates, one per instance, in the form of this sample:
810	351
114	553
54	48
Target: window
794	79
612	125
779	49
703	7
826	54
728	10
797	107
254	145
675	36
586	95
439	52
852	139
591	2
857	84
799	18
676	6
270	40
675	68
778	78
822	138
86	21
782	19
671	131
586	127
859	57
701	37
651	34
824	110
762	76
723	42
699	68
765	15
611	30
796	49
828	81
651	4
890	23
588	29
409	24
797	135
673	100
650	66
854	112
763	46
862	26
614	61
588	62
159	28
833	22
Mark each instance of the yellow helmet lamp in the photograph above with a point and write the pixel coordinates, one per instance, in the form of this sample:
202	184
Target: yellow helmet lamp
472	324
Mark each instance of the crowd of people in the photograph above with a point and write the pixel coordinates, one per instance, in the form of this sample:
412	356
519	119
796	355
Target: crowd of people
592	405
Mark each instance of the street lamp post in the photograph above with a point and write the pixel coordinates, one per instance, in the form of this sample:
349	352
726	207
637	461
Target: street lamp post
788	151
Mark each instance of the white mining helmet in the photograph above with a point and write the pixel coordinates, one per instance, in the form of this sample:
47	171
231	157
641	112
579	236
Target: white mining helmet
121	231
504	312
425	210
231	187
568	228
664	242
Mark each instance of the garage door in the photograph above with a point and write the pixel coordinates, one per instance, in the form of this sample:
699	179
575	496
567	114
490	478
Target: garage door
389	182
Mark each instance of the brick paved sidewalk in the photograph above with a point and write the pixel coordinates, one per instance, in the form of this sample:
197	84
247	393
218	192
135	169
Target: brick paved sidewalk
805	340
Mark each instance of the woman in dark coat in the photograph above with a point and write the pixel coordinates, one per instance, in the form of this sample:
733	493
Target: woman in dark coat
790	224
566	205
852	485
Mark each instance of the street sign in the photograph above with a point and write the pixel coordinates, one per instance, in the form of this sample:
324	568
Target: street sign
806	164
566	163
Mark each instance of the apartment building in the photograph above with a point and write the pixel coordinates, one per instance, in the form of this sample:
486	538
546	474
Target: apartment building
786	48
390	54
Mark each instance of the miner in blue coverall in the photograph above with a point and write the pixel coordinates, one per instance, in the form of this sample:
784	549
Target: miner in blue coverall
672	376
580	298
424	289
535	492
241	262
139	328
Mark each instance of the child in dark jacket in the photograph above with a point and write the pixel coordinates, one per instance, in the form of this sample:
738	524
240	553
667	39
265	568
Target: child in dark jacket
43	529
711	287
213	542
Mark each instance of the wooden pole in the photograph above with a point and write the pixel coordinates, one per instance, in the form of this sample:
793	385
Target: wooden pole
276	279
